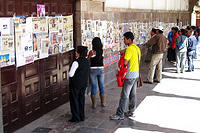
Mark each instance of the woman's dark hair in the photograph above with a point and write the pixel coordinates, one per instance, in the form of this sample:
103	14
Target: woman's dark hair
129	35
184	32
175	28
82	51
188	28
97	46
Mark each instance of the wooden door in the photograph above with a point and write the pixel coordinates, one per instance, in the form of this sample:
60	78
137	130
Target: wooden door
10	98
31	91
51	82
65	62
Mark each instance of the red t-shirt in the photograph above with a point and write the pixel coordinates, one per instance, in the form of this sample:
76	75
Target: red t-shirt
173	44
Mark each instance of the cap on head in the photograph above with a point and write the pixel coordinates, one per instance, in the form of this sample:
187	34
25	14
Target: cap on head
160	28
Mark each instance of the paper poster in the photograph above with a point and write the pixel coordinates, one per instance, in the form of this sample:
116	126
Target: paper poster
7	43
37	44
67	37
54	43
23	41
44	47
40	10
39	25
6	26
66	43
7	51
68	22
53	24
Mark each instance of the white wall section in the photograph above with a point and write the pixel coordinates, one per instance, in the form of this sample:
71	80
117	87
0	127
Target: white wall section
174	5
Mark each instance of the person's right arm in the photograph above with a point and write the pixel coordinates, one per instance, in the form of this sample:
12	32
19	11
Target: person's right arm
73	69
152	41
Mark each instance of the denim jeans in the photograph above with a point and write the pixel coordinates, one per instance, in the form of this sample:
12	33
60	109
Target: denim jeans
97	77
128	93
190	55
180	61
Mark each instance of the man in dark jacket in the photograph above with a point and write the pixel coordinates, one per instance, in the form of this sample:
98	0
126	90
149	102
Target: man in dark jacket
159	46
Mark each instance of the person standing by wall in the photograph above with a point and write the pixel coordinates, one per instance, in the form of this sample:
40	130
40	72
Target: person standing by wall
173	43
159	46
169	52
78	81
181	50
97	71
128	93
197	51
192	42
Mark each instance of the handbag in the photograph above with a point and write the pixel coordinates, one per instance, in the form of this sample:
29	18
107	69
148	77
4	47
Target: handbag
181	44
139	82
122	71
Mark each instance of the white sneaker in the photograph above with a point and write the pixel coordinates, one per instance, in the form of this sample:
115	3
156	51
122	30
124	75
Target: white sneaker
116	117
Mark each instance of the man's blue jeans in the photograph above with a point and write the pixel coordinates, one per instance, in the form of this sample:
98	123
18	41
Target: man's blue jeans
128	93
190	56
97	77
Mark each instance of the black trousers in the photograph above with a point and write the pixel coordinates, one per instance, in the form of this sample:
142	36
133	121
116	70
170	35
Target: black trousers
171	54
77	103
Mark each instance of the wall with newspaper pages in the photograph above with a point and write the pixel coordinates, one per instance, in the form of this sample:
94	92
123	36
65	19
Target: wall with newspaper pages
34	38
111	33
7	50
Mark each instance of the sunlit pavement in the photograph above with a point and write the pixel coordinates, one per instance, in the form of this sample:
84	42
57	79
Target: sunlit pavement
172	106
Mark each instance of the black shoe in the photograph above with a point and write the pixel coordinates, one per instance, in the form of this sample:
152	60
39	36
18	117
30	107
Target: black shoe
72	120
188	71
156	81
148	82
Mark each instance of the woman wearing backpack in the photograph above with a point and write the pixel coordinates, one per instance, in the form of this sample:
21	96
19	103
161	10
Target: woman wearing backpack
181	51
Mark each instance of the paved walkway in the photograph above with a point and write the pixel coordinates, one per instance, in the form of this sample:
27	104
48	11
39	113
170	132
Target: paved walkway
172	106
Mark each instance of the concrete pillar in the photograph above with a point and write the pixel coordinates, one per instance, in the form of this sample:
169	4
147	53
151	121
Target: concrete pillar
193	19
77	23
1	108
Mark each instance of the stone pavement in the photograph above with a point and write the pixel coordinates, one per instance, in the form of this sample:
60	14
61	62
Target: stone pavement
171	106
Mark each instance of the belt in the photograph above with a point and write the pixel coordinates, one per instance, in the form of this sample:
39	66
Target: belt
96	67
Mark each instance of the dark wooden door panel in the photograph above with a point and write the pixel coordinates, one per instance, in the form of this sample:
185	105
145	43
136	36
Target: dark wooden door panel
2	8
11	106
32	90
10	7
66	60
51	82
31	97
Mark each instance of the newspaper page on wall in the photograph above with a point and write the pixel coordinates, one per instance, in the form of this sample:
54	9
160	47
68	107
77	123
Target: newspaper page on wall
53	35
23	41
40	37
67	33
7	51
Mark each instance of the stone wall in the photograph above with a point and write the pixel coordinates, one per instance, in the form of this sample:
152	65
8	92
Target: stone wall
95	10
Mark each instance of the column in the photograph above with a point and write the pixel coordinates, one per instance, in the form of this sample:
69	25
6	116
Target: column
1	108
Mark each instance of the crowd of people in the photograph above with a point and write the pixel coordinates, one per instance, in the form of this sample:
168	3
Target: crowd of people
183	47
180	47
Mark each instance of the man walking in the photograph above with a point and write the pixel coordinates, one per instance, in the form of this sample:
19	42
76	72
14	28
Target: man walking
128	93
159	46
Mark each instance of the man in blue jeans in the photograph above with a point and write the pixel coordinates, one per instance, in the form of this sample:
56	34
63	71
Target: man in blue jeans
192	42
128	93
